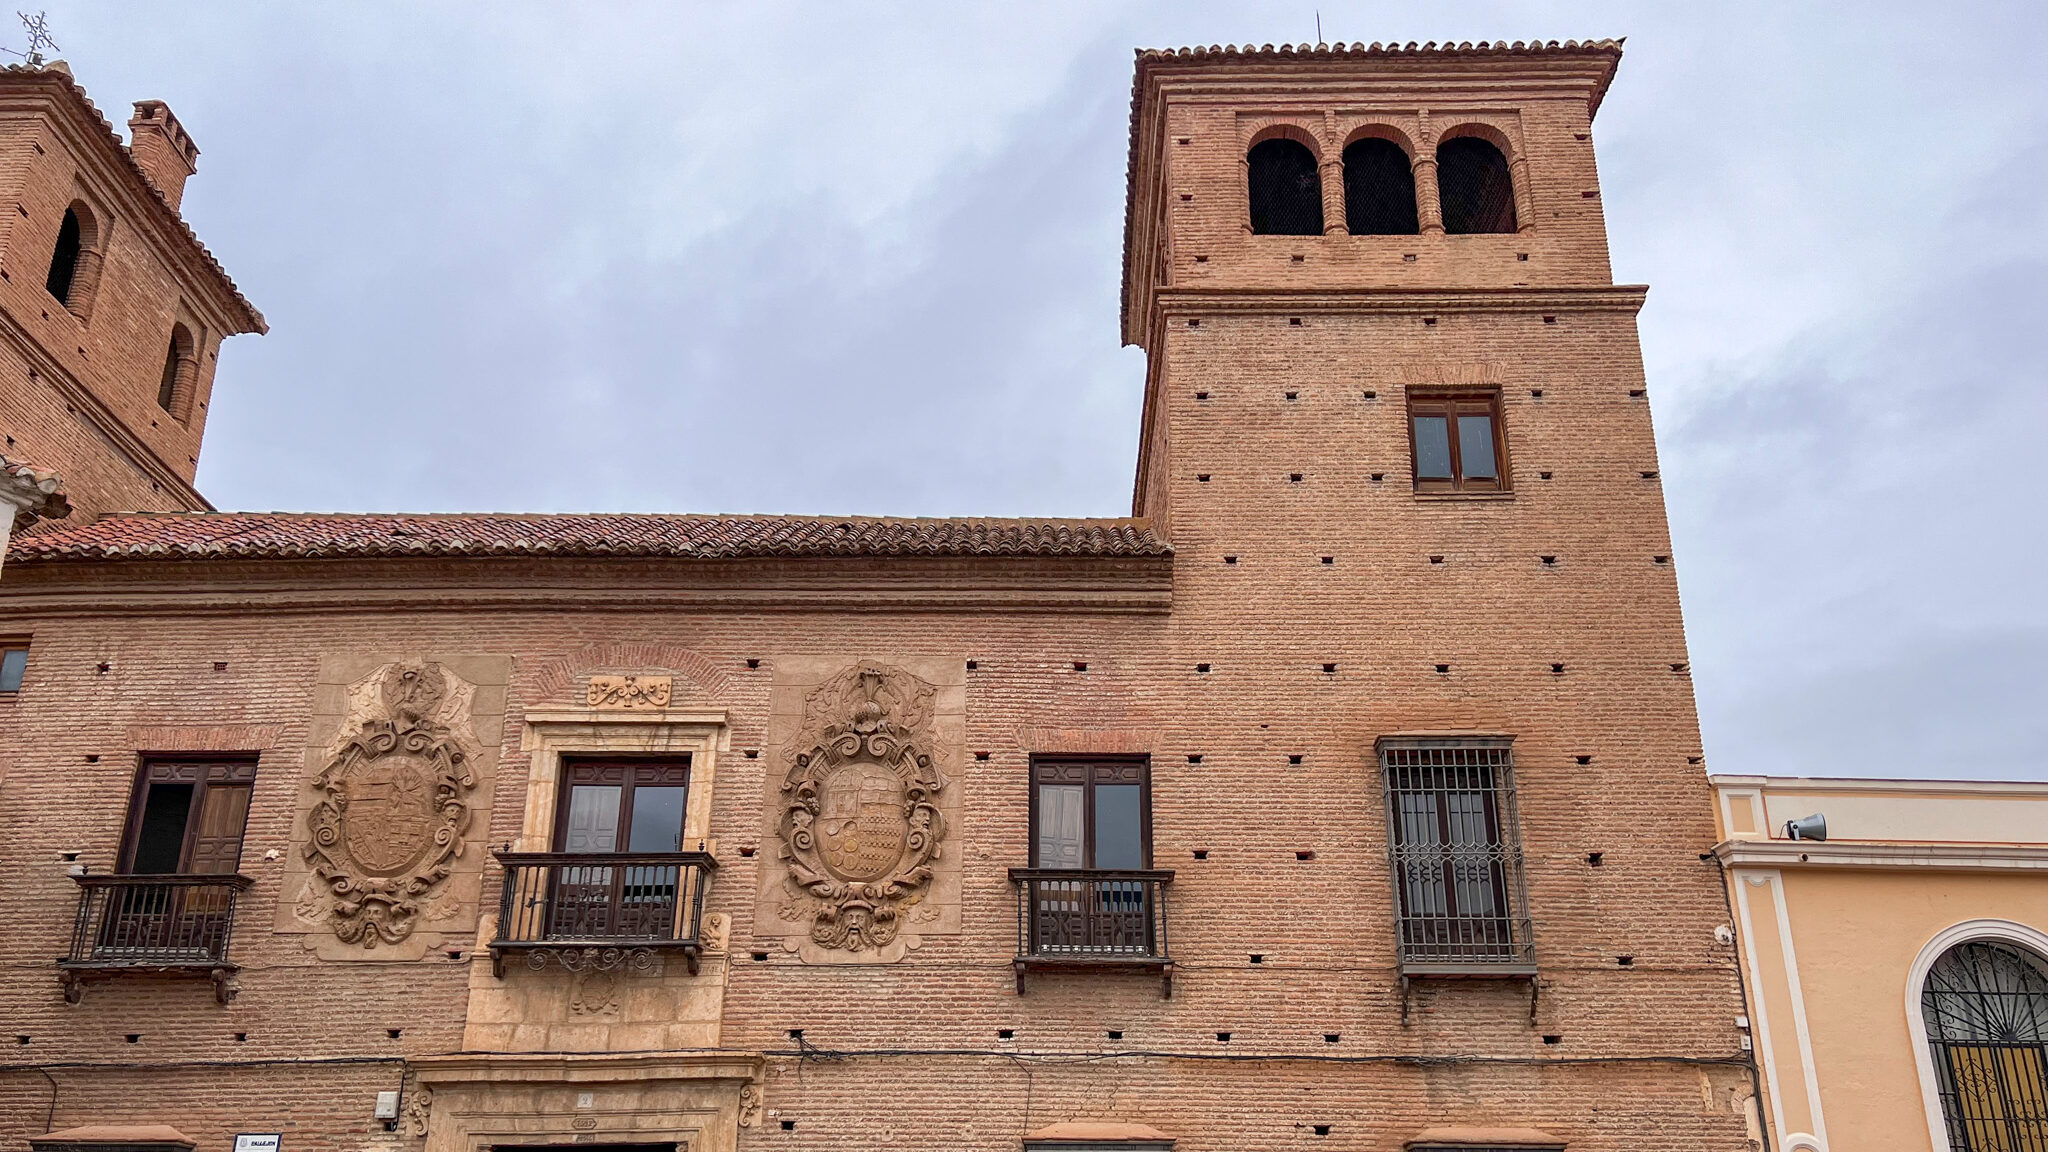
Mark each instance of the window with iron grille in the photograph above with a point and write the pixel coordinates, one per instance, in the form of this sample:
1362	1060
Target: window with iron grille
1985	1004
1474	186
1379	189
1458	441
1286	191
1456	854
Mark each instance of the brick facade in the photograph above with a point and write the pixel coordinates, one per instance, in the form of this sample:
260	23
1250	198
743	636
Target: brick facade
1310	604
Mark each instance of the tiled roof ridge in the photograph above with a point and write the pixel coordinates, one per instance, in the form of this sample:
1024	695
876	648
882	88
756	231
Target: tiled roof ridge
255	319
314	535
1377	48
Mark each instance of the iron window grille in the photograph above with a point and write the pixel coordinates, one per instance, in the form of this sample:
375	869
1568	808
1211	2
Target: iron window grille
1986	1008
1455	855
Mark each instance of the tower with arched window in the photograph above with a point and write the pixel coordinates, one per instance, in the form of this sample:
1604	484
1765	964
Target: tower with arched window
115	311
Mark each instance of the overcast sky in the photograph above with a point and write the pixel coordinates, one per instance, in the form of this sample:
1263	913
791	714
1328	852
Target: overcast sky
830	257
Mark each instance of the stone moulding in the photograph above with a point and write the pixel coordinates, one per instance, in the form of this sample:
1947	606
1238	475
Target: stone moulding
861	825
391	811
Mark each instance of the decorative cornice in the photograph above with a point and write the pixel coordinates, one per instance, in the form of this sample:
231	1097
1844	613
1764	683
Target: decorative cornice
1870	854
593	1068
1176	302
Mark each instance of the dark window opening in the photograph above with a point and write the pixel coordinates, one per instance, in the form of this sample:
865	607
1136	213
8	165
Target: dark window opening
1473	183
1286	191
1457	858
1458	442
1985	1004
623	806
13	665
179	367
188	818
64	261
1379	189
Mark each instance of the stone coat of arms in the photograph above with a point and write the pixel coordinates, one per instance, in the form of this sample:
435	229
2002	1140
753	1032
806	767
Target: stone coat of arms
391	810
861	824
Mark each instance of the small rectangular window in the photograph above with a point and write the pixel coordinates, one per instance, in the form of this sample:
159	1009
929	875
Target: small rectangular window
1458	441
13	664
187	817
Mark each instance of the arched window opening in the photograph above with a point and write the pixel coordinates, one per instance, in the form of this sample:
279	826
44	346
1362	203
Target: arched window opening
1379	189
1473	184
1985	1004
1286	192
181	364
64	261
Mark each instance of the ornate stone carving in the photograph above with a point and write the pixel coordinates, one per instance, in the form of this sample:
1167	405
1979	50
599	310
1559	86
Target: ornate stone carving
861	824
392	809
419	1104
629	692
750	1104
634	961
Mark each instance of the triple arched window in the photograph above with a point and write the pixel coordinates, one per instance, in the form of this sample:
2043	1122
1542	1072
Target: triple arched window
1985	1004
1475	189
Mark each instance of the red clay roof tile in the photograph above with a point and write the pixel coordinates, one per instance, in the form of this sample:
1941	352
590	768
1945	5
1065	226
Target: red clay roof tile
287	535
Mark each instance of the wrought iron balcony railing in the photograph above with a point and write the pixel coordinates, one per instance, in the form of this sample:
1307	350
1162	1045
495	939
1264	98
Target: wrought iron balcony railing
159	923
1092	918
602	910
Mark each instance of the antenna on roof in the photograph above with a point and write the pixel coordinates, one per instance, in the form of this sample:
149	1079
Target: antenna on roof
38	39
1319	28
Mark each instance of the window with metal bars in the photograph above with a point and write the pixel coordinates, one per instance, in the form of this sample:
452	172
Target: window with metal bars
1456	855
1379	189
1286	191
1474	186
1985	1004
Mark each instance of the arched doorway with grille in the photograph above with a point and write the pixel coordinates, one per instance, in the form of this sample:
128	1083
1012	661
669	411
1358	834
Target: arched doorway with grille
1983	1005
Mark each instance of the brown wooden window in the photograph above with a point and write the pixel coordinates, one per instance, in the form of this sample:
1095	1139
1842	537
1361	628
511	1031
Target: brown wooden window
623	805
1092	814
13	665
187	817
1457	442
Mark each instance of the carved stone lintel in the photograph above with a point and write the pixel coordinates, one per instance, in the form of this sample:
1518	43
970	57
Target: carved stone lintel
629	692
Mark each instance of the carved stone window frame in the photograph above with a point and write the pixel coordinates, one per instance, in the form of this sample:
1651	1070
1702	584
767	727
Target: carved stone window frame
551	735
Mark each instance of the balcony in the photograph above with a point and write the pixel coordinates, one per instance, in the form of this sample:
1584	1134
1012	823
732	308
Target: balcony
1069	918
601	911
174	924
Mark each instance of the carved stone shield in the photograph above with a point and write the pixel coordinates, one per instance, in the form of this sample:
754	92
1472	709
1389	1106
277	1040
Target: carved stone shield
389	812
861	823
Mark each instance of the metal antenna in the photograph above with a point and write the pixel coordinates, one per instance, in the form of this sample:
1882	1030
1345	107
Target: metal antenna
1319	29
38	39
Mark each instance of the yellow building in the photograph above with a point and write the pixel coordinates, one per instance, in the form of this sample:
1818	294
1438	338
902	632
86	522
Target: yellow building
1896	959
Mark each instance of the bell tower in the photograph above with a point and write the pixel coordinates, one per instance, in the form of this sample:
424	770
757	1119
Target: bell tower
112	312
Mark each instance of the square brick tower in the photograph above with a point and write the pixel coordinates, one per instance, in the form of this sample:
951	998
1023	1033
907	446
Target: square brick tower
111	311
